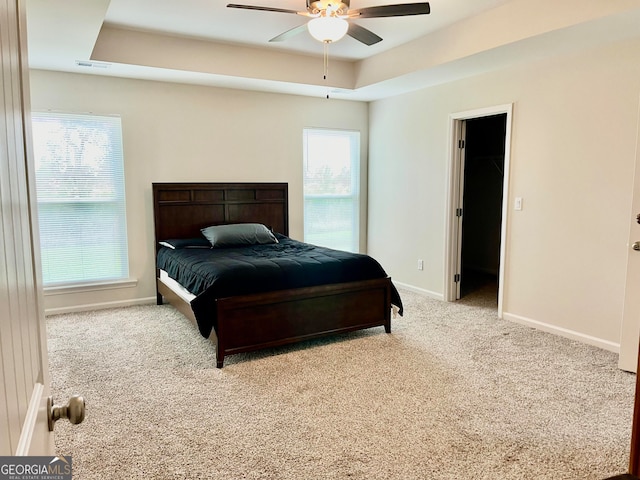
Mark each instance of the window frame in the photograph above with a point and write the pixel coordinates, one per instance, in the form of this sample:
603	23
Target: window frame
117	198
354	137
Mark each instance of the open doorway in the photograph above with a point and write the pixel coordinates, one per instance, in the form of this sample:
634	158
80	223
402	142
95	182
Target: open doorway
476	216
483	183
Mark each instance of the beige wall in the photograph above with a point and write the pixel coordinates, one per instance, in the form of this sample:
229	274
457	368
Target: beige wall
177	132
572	161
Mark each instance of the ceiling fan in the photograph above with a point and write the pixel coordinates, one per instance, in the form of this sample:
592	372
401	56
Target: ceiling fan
329	23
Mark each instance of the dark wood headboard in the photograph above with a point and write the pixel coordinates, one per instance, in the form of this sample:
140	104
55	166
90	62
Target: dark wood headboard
180	210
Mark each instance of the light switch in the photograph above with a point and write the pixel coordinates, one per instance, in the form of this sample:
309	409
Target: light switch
518	203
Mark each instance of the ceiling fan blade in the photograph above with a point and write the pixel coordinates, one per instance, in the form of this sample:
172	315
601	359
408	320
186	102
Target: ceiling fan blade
362	34
289	33
265	9
400	10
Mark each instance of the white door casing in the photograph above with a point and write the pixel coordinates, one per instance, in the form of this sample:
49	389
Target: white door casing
630	329
453	223
24	382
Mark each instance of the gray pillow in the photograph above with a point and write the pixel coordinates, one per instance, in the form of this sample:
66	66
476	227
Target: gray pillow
239	234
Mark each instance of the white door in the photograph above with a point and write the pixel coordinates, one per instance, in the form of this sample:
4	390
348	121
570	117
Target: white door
630	332
459	168
24	377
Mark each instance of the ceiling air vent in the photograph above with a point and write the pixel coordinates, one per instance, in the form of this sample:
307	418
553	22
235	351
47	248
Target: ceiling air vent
91	64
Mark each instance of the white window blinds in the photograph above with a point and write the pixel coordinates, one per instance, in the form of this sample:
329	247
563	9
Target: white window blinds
81	198
331	188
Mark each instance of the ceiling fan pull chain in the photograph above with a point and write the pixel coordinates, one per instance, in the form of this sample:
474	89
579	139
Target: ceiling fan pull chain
326	59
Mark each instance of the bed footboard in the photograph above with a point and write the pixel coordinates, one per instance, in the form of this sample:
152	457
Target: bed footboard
253	322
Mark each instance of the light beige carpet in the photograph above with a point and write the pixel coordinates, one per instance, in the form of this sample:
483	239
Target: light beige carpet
452	393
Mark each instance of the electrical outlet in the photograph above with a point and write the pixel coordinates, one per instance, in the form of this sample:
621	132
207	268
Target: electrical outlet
420	265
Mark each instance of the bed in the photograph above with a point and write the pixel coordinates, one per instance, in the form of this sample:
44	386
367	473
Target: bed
268	311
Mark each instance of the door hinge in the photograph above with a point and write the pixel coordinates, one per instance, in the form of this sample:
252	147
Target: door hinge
458	212
460	143
456	278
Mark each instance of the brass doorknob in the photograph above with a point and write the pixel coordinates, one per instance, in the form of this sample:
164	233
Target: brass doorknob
73	411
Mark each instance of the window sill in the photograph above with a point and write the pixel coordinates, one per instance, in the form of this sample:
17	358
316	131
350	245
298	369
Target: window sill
89	287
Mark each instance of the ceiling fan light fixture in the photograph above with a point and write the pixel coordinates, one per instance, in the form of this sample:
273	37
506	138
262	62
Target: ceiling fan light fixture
328	29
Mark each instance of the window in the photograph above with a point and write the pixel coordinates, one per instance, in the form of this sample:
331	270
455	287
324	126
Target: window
80	193
331	188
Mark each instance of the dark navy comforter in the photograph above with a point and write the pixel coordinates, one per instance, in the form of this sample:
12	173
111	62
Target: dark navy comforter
213	273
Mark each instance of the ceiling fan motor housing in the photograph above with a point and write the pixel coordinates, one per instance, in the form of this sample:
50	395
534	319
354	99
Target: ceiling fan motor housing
317	6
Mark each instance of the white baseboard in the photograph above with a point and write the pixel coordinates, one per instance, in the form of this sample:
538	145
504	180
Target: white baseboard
100	306
563	332
421	291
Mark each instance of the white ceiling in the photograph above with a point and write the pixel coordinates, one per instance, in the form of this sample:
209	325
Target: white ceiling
204	42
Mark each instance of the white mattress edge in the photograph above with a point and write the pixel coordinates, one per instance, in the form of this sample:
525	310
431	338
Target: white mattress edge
175	287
